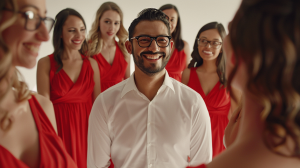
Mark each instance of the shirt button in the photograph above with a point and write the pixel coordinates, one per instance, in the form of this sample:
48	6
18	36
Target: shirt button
150	165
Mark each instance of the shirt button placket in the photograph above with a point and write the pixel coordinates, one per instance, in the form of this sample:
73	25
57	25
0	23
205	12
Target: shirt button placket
150	131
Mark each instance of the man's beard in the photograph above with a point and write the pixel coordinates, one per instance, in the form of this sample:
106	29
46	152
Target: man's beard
152	70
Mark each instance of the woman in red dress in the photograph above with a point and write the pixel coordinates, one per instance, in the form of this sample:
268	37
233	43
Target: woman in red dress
206	75
112	57
180	56
28	137
263	61
71	81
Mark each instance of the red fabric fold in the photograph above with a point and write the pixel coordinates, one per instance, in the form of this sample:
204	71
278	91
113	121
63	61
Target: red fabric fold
111	74
218	105
176	64
72	105
52	150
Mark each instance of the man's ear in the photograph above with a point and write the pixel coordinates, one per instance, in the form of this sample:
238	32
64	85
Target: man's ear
128	46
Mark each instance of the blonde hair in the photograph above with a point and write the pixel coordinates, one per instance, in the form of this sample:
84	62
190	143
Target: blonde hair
95	40
20	87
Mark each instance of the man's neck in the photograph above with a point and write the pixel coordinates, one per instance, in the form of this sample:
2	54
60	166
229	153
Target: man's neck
148	85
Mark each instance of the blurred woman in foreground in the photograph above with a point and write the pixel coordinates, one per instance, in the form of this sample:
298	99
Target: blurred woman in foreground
263	61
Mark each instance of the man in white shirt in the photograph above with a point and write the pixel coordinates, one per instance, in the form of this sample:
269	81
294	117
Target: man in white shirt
149	120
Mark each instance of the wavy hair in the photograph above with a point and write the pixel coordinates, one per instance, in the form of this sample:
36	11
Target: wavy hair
176	35
20	87
266	36
197	59
95	40
57	41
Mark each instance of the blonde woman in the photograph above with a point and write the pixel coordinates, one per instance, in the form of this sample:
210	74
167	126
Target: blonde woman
112	57
28	135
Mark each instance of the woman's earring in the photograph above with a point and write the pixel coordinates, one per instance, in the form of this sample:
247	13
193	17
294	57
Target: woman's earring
195	64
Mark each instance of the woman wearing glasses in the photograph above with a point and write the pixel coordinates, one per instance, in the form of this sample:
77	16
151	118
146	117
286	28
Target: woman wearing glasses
206	75
71	81
112	57
180	56
27	123
263	61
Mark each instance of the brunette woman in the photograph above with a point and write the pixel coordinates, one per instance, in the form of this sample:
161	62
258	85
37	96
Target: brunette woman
180	57
71	81
206	75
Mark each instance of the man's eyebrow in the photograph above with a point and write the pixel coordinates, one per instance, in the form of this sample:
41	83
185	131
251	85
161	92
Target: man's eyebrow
153	36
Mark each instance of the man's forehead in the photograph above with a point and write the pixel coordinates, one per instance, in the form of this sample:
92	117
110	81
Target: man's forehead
151	28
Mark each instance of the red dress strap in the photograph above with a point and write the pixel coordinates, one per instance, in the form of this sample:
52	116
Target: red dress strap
52	67
52	151
8	160
194	82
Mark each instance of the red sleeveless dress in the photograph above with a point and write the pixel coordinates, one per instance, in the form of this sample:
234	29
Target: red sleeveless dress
218	105
111	74
72	105
176	64
201	166
52	150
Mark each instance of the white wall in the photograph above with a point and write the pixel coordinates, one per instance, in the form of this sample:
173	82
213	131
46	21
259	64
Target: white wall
194	14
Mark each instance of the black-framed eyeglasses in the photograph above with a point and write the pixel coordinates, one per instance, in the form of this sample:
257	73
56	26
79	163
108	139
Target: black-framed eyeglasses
214	44
145	41
34	20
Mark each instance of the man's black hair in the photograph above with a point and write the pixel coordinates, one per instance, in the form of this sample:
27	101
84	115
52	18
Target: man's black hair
149	14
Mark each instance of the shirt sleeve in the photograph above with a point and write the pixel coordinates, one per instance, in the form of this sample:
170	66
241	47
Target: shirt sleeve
99	142
201	138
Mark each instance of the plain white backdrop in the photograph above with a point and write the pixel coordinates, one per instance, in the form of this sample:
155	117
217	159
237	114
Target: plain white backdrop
193	13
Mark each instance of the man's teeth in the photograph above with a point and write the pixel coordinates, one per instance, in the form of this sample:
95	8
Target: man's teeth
152	57
32	47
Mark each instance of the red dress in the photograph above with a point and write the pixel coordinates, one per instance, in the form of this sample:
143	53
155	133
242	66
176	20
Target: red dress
52	150
218	105
72	105
176	64
201	166
111	74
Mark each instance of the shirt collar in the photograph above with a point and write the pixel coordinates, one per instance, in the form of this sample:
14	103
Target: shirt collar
130	85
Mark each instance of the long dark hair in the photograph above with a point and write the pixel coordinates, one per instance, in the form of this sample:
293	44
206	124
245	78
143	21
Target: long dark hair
265	35
57	41
220	63
176	35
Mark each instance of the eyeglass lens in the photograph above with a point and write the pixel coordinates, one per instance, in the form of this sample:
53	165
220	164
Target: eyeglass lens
33	21
204	42
161	41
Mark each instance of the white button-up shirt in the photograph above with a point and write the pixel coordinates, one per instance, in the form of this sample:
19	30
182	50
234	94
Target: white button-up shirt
173	130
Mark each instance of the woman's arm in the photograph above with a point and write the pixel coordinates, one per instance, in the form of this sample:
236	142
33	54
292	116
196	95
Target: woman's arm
185	76
97	87
43	77
234	103
47	106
